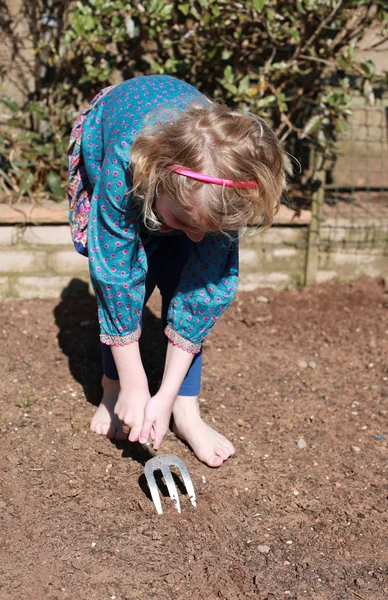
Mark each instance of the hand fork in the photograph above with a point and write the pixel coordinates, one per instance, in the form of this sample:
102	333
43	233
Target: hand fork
163	462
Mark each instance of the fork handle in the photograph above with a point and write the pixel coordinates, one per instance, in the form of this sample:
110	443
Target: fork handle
149	446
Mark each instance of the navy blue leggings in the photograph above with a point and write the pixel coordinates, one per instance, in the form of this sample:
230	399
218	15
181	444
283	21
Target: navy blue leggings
164	270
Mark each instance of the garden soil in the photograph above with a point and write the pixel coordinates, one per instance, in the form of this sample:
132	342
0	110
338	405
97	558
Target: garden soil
298	380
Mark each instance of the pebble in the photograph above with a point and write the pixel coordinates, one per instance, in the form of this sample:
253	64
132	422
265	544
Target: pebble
302	443
312	364
240	422
356	449
262	299
2	504
263	549
302	364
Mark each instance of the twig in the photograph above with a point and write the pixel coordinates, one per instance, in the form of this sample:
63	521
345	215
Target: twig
359	596
321	26
321	60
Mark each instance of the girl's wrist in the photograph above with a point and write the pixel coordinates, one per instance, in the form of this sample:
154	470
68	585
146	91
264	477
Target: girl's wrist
165	396
131	385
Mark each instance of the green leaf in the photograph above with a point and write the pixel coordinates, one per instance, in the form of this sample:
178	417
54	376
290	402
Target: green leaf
313	124
10	104
259	5
89	22
77	25
266	101
230	87
184	8
295	35
244	85
228	74
195	13
26	182
54	183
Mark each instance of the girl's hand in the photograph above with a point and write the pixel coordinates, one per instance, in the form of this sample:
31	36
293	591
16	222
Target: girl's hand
129	408
156	419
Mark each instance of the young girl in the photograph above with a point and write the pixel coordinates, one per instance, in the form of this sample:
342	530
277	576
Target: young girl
161	182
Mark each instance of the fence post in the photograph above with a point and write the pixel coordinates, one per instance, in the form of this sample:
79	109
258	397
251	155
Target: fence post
312	253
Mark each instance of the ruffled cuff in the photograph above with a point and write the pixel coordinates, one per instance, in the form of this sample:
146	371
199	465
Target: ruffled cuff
181	342
121	340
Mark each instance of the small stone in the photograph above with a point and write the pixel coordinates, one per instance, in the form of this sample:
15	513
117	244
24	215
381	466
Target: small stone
302	443
286	563
356	449
263	299
2	504
235	491
263	549
289	542
370	366
93	544
312	364
240	422
302	364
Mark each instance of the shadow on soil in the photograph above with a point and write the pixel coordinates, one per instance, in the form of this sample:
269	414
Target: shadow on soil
78	338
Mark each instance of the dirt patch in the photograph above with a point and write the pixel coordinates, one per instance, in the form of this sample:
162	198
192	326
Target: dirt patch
279	520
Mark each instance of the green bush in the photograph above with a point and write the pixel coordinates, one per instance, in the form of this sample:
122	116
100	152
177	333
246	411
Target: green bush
292	62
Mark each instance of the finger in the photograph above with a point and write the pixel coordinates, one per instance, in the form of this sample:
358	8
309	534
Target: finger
145	433
159	437
134	433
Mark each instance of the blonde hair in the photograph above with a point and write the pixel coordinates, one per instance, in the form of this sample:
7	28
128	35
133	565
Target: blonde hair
216	141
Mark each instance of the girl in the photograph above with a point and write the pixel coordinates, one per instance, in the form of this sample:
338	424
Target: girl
161	181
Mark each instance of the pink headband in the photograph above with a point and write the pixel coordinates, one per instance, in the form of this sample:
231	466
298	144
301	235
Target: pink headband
215	180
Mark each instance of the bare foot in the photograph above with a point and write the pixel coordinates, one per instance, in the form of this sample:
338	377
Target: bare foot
208	445
104	421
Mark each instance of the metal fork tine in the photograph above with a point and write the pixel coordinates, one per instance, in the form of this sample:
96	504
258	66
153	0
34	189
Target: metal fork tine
163	462
168	478
178	462
149	475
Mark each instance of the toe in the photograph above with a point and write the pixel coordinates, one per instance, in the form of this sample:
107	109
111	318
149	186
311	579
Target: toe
105	429
95	427
214	461
223	453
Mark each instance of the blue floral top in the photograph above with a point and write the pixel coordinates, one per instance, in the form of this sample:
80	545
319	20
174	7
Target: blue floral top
107	226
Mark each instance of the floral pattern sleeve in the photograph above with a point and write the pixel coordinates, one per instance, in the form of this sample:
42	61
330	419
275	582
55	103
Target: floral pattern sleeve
207	287
117	261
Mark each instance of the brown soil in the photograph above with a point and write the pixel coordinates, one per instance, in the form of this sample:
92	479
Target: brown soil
276	521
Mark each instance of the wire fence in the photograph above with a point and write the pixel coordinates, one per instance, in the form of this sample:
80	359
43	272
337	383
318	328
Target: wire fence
354	208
